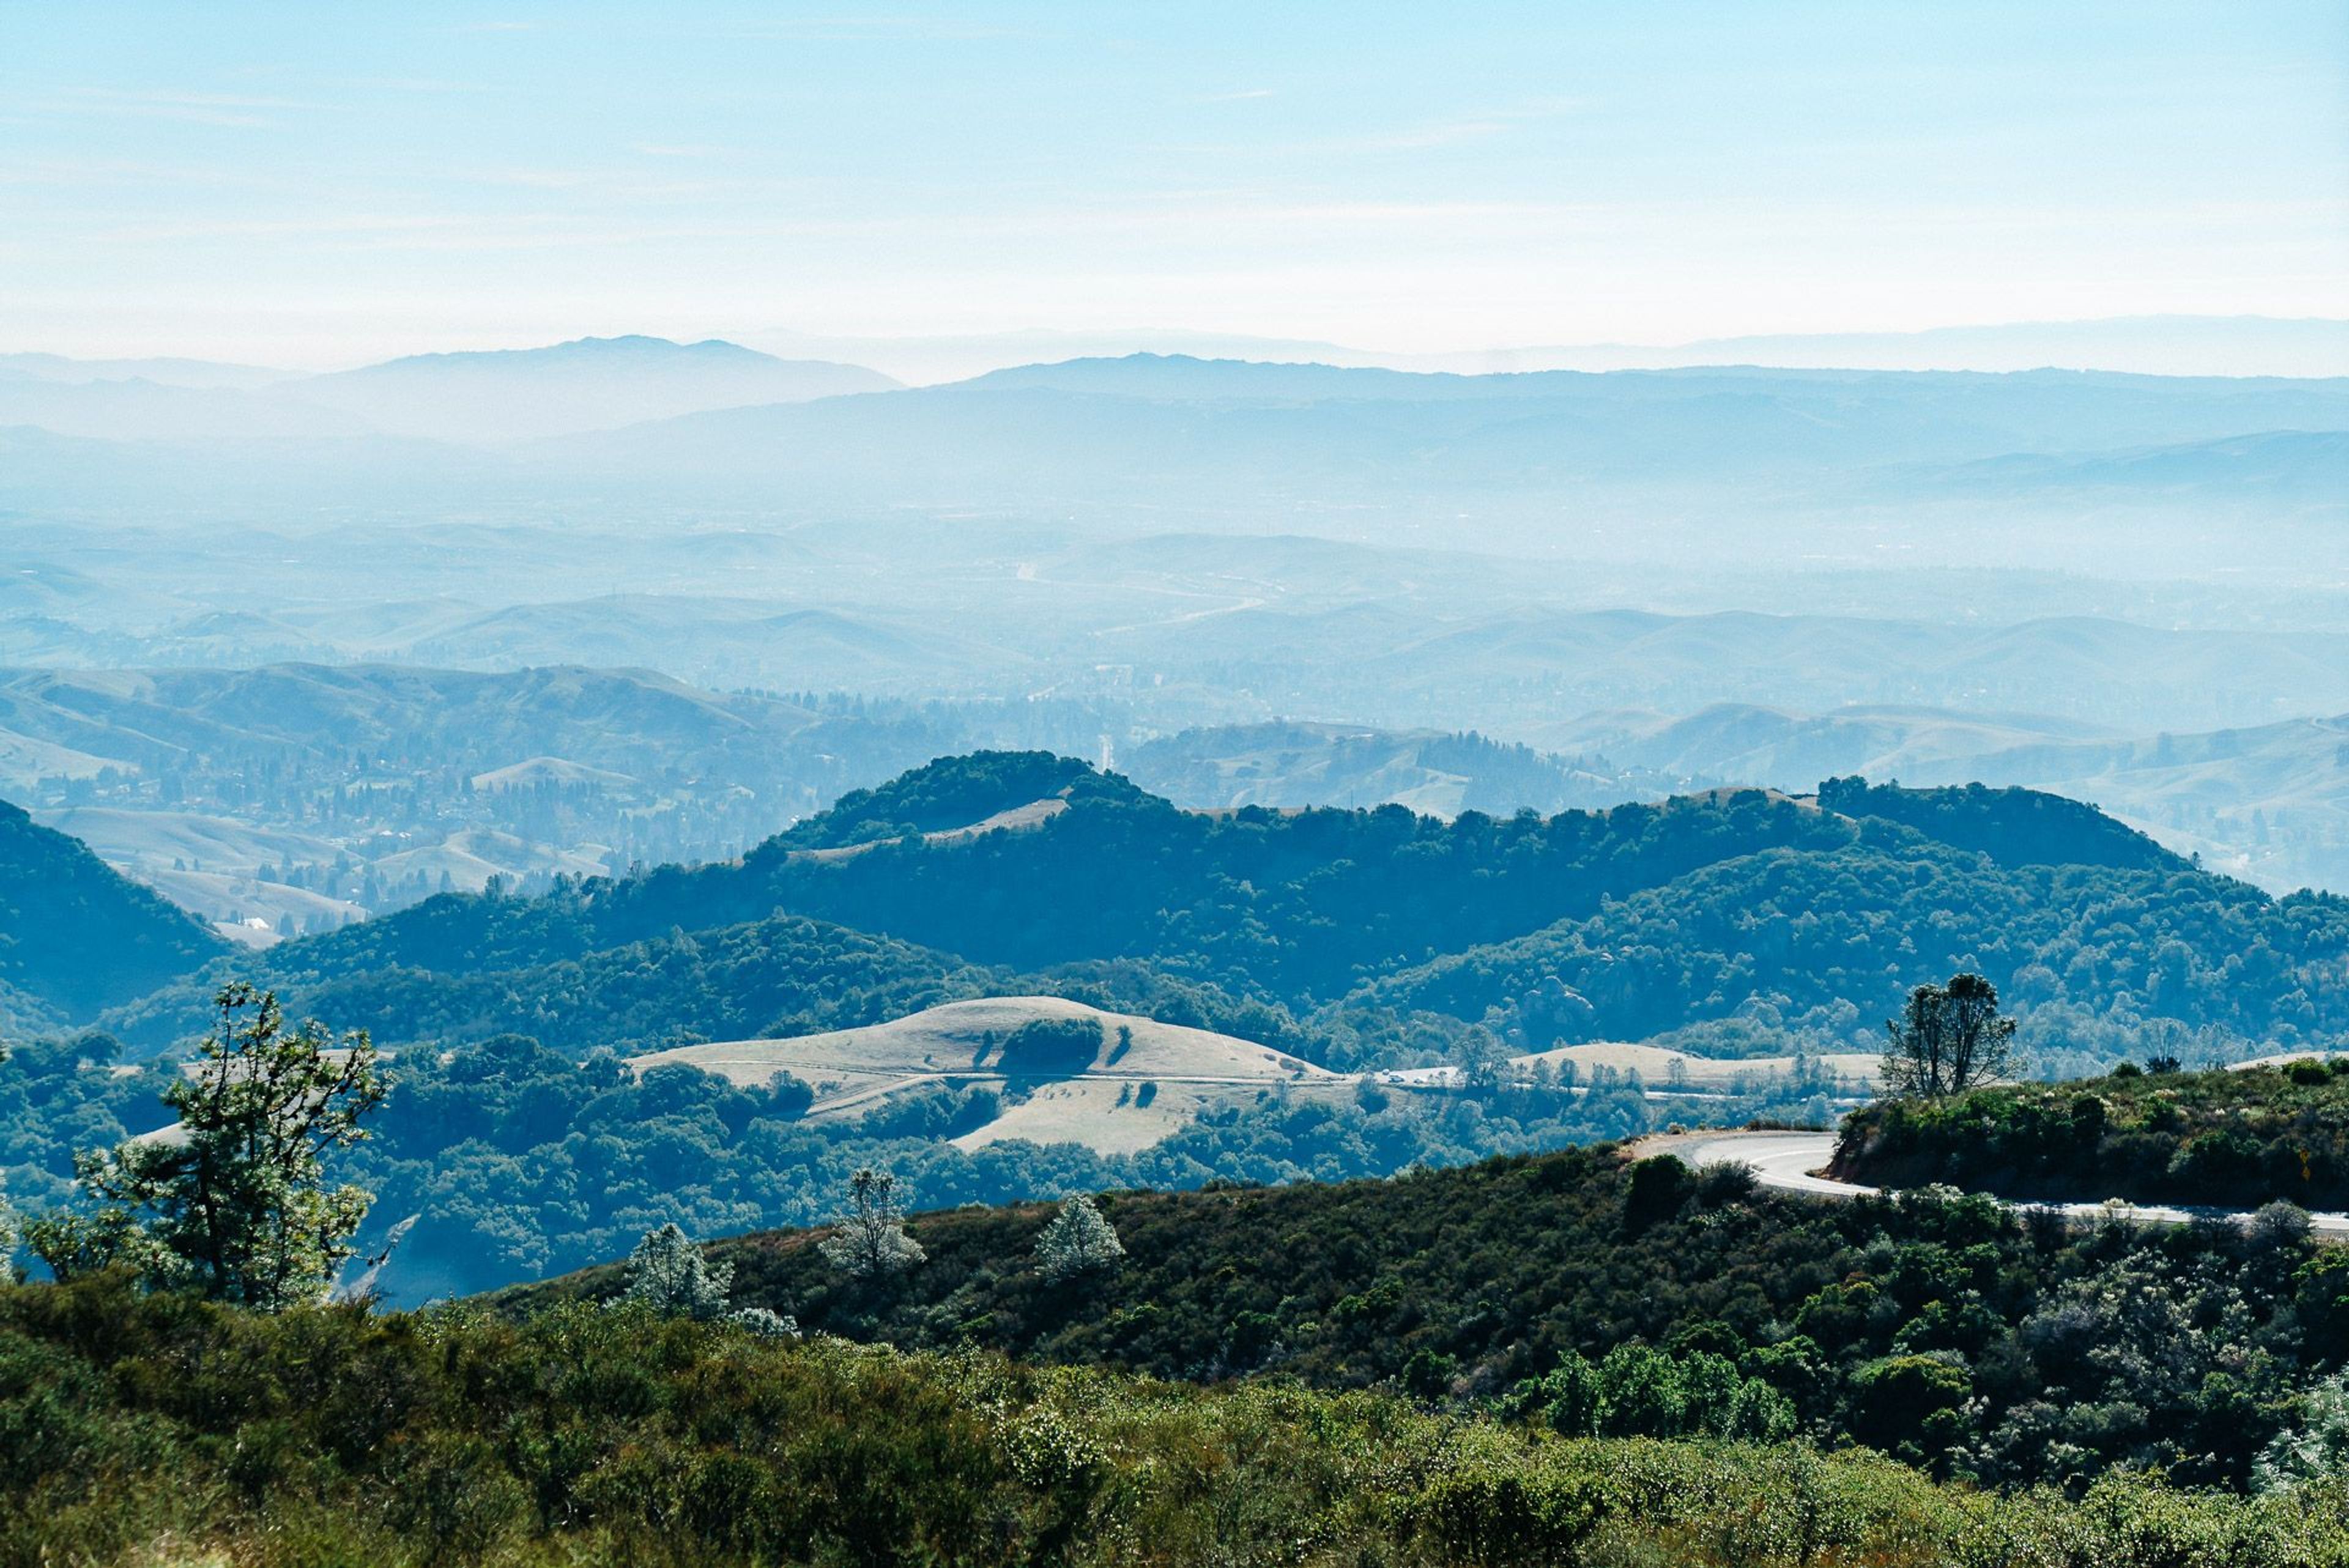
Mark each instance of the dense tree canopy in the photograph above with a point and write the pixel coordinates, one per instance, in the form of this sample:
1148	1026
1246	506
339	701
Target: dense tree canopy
1656	918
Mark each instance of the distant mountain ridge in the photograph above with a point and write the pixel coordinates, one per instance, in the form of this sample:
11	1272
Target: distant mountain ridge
591	383
465	399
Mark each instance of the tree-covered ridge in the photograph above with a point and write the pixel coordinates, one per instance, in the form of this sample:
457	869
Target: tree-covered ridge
784	975
1291	906
2233	1138
588	1438
2096	961
1944	1329
951	792
76	936
499	1159
2014	827
1698	913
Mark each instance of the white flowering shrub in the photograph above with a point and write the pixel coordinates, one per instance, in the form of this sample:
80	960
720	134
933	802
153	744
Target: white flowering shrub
765	1324
1078	1241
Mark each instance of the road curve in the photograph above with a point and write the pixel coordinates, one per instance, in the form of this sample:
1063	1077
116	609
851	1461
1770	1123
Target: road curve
1788	1161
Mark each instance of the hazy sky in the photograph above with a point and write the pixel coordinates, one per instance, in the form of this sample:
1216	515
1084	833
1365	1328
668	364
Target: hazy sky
315	184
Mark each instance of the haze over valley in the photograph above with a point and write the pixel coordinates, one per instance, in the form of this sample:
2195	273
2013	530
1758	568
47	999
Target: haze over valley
2129	588
1288	787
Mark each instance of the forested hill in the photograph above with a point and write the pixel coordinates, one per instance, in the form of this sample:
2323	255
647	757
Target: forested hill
1736	909
76	936
2013	827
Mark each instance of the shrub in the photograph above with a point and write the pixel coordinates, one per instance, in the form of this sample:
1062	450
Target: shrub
1500	1518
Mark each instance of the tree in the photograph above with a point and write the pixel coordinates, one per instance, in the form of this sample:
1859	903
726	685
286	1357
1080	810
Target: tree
1054	1045
870	1241
670	1274
1947	1039
1079	1241
234	1202
1481	1057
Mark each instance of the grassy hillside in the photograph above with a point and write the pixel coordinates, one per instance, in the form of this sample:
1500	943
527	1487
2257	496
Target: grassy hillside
155	1430
1946	1330
76	937
1133	1084
2232	1138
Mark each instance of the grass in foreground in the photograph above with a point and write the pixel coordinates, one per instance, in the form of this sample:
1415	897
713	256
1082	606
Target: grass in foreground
157	1428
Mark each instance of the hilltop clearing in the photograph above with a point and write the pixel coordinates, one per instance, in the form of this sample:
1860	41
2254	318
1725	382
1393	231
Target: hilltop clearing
1660	1066
1143	1081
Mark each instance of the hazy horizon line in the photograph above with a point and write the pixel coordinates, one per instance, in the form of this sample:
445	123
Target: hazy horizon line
1079	342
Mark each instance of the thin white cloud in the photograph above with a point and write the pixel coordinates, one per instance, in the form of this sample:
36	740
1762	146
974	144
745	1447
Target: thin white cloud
234	110
870	29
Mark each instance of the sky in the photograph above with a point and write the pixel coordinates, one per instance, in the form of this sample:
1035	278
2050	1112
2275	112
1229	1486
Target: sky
314	186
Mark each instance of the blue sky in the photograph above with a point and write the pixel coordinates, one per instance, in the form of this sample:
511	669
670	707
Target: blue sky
321	185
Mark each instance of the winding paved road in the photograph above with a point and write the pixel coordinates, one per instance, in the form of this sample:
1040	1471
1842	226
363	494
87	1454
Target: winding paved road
1787	1161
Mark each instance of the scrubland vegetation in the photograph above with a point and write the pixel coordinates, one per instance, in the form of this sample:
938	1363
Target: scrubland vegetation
160	1429
1582	1291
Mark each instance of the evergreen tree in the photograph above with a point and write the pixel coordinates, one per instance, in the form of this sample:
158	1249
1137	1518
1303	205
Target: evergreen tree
1947	1039
670	1274
1078	1241
870	1242
232	1202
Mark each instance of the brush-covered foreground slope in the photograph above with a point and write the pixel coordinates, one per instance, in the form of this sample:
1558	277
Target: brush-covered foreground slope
1944	1329
2231	1138
152	1429
1692	914
76	936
